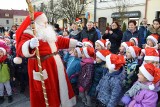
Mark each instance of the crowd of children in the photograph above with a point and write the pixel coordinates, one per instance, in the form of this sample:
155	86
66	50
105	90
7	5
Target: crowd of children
130	78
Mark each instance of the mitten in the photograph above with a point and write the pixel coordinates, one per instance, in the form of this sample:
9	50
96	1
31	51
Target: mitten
81	89
126	100
34	43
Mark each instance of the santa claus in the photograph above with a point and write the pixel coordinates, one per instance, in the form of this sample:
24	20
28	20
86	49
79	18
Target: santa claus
58	88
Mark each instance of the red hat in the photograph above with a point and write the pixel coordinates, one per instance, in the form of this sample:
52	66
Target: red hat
114	62
79	51
88	42
101	42
3	47
102	54
20	31
151	73
151	54
135	51
127	44
154	38
88	52
135	40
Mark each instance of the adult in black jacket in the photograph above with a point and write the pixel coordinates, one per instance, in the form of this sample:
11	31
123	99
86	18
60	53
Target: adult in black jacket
115	36
88	32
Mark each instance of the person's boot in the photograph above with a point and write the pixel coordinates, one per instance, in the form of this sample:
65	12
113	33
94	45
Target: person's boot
10	99
1	99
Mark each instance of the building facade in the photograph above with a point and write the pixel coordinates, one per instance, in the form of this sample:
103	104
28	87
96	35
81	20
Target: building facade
153	10
109	9
12	17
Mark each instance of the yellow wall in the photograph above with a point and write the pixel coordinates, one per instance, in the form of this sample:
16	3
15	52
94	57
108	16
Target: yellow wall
153	6
18	19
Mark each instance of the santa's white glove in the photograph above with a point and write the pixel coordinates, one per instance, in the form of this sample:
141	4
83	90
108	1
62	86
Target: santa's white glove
34	43
80	44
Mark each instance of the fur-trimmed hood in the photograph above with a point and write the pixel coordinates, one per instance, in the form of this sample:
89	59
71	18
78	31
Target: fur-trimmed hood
152	30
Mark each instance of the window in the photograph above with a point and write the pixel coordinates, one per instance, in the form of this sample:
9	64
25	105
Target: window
21	20
16	20
6	15
7	21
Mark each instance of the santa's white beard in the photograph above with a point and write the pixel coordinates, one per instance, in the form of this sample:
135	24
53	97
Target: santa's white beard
46	34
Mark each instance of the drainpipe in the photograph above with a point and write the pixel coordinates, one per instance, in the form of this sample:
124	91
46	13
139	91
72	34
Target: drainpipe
95	6
146	8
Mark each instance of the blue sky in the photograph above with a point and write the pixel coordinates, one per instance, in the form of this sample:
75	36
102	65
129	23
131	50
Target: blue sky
13	4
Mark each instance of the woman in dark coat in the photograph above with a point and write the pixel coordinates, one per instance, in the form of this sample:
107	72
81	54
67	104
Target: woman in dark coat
115	36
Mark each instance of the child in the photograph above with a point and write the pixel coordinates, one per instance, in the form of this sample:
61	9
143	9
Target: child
134	41
4	76
102	44
87	43
141	94
86	74
152	41
98	70
131	67
110	86
151	56
124	46
73	67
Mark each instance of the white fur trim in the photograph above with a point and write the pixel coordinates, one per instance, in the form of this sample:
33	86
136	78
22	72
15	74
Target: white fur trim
132	52
153	39
151	87
85	52
17	60
64	97
72	43
36	75
4	51
135	39
107	43
28	31
143	51
88	43
79	52
151	58
110	66
125	45
101	43
25	49
146	73
100	56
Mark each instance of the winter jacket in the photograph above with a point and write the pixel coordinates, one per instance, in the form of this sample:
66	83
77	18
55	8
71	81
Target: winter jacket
109	88
86	73
144	98
98	33
73	33
5	73
130	73
99	71
127	35
115	39
73	66
143	33
91	35
151	30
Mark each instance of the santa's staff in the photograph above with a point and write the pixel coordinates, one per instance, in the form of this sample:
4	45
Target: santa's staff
31	12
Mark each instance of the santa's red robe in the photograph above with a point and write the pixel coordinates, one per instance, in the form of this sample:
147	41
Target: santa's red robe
59	90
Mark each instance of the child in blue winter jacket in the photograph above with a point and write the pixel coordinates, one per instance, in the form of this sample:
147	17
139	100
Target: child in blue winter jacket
73	67
86	74
98	70
110	86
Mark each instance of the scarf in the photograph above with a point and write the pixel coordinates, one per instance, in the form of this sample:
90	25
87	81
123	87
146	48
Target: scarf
135	88
3	58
